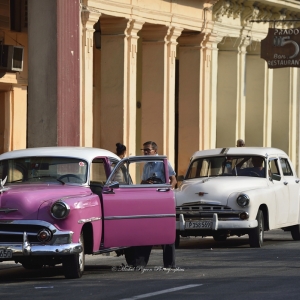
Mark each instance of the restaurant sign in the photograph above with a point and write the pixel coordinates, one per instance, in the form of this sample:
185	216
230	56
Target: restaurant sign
280	49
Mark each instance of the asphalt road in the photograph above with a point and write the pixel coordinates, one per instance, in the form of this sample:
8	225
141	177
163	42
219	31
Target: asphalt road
206	270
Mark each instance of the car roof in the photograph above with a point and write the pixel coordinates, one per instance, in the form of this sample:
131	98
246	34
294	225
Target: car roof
86	153
263	151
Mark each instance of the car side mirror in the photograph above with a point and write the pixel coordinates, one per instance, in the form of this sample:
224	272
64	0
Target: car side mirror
180	178
276	177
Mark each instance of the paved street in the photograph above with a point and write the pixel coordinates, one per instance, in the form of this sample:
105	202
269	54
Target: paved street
206	270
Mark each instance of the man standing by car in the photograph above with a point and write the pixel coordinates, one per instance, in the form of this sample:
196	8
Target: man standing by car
150	148
154	173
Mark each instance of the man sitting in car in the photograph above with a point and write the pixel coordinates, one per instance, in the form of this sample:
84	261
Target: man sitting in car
258	169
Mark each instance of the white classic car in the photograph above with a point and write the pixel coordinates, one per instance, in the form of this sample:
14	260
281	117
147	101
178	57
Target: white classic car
238	191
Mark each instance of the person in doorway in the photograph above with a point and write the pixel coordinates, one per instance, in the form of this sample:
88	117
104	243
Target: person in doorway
240	143
120	150
140	255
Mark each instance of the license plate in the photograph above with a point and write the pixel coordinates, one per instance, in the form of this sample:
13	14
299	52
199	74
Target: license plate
198	224
5	253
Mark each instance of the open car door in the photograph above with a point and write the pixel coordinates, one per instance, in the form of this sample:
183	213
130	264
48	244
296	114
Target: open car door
138	214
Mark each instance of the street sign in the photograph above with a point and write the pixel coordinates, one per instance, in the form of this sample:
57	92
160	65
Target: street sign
280	49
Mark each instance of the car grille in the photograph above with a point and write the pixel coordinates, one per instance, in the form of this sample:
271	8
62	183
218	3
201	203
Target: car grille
13	233
207	211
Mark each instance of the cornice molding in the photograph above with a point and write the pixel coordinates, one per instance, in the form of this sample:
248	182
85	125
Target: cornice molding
128	11
247	11
89	17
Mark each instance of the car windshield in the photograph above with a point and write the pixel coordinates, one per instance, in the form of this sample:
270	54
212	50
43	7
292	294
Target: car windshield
254	166
44	169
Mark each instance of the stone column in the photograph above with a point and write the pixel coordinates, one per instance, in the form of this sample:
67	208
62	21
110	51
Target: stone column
268	105
118	82
231	107
293	108
256	81
158	87
196	99
89	19
130	81
241	89
209	90
53	73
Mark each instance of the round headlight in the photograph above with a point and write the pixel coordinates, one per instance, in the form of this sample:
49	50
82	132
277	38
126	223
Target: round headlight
243	200
60	210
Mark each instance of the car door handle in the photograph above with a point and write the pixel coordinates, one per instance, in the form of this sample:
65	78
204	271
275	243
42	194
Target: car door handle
163	190
297	180
285	183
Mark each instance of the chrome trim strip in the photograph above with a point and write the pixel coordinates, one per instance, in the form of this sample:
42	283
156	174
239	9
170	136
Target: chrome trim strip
140	217
8	210
27	222
93	219
55	250
202	202
16	233
10	230
30	222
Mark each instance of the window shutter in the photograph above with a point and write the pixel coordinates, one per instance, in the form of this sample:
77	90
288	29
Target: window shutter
5	14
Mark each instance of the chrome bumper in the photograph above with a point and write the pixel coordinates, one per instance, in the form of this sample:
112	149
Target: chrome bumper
219	225
26	249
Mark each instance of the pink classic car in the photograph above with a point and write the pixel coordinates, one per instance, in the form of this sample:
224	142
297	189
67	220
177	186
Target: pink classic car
59	203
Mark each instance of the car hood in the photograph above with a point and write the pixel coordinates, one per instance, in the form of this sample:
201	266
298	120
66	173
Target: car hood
22	202
215	190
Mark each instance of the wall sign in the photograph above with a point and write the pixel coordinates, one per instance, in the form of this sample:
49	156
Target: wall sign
280	49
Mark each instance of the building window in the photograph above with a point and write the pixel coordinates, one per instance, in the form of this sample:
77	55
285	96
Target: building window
13	15
18	15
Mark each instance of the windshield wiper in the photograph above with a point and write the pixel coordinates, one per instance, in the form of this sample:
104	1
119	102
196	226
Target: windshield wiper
19	180
63	183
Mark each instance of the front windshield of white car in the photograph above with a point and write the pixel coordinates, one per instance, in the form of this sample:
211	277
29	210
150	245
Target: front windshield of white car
44	169
253	166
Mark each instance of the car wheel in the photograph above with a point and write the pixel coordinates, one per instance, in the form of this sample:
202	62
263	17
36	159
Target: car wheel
256	235
220	237
295	231
32	265
73	265
177	240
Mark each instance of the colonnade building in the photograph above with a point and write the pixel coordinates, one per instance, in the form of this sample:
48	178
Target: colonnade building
186	74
